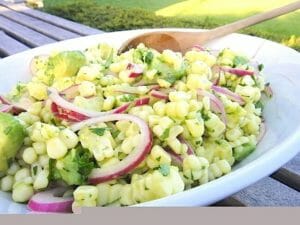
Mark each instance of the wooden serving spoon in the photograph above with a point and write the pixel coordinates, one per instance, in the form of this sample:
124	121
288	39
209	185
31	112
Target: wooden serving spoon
181	41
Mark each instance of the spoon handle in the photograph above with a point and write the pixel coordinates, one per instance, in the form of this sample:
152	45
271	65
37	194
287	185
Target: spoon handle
235	26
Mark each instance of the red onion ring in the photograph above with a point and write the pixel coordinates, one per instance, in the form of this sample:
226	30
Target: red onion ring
216	104
231	95
159	95
48	202
238	72
190	150
176	158
128	164
135	70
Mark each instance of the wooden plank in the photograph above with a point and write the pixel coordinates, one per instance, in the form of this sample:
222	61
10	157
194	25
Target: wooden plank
290	173
57	21
47	29
24	34
268	192
9	46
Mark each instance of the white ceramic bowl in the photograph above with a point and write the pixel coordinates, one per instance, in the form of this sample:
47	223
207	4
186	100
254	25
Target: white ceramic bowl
280	144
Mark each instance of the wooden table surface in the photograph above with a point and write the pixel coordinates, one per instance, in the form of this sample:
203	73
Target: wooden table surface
22	28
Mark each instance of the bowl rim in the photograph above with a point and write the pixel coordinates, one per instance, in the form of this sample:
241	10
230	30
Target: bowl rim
254	170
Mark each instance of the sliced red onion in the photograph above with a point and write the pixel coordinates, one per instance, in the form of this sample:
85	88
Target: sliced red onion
65	114
3	100
121	108
198	48
135	70
69	107
14	108
262	132
128	164
142	101
33	68
238	72
48	202
216	104
176	158
154	87
231	95
71	92
5	108
190	150
217	80
159	95
68	111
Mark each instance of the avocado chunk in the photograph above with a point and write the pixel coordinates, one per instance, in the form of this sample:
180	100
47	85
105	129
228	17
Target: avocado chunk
241	152
12	135
66	63
74	168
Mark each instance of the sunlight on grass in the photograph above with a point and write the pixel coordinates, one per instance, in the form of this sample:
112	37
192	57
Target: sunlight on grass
219	7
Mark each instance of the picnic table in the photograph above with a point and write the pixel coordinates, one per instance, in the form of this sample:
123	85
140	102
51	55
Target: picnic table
22	28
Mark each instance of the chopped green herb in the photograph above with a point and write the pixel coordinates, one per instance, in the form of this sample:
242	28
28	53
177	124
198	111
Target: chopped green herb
218	142
165	134
99	131
76	167
115	133
127	98
158	158
259	105
34	170
198	142
148	57
260	67
205	117
164	169
186	177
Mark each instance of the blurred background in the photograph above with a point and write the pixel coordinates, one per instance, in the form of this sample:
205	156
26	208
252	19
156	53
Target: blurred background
113	15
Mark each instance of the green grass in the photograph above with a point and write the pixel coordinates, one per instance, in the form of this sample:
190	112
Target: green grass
151	5
175	13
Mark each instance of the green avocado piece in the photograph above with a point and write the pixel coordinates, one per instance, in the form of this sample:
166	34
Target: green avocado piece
166	71
74	168
66	64
241	152
12	135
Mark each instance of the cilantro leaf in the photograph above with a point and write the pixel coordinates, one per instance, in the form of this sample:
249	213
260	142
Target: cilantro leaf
259	105
148	57
74	168
165	134
99	130
127	98
164	169
260	67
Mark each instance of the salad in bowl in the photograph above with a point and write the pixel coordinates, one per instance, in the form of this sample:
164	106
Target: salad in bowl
98	128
